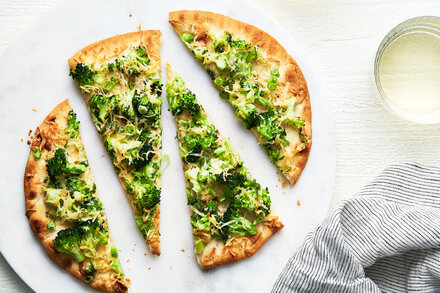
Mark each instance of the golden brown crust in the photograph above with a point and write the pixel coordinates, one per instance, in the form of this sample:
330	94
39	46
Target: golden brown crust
291	78
217	254
36	209
110	48
113	46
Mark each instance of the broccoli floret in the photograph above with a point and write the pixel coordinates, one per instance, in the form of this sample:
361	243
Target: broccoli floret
130	64
248	116
91	204
101	106
116	266
194	153
229	183
142	56
68	242
56	165
145	223
237	223
93	234
82	74
149	200
109	146
230	180
156	87
187	37
81	186
142	155
267	127
59	165
143	107
274	154
72	124
184	100
127	111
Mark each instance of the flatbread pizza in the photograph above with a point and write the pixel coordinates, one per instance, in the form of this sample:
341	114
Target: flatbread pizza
120	80
231	214
259	78
63	207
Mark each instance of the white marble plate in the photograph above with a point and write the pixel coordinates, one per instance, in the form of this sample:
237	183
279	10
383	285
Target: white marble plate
34	75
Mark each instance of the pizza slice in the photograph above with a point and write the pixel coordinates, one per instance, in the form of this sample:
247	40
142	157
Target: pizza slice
258	78
63	207
120	80
231	213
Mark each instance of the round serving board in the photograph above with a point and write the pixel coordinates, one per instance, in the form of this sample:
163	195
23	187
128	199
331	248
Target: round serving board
34	79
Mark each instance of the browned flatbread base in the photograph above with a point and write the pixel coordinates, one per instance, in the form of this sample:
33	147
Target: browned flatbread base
46	134
110	48
216	253
291	77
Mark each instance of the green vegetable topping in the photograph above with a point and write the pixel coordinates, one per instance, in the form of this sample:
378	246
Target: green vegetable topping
82	74
36	153
187	38
114	252
81	240
124	98
224	200
51	225
251	84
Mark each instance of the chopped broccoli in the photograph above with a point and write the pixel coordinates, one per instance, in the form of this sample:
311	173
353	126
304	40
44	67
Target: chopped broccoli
237	223
58	165
187	37
93	234
82	74
81	186
131	64
149	200
72	124
116	266
142	55
231	180
194	154
102	106
114	252
143	107
267	127
67	241
274	154
184	100
142	155
248	116
145	223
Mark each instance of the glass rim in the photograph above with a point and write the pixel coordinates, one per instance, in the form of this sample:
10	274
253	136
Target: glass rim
420	23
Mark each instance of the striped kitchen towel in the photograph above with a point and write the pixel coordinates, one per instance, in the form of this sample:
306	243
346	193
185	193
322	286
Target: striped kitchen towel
385	239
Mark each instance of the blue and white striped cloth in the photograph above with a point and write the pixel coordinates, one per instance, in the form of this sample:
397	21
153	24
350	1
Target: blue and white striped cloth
385	239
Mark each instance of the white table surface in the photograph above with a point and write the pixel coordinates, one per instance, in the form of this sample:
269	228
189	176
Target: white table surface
340	38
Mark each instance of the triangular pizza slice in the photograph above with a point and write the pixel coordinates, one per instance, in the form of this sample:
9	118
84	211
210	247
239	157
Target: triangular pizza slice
231	213
260	80
120	80
63	207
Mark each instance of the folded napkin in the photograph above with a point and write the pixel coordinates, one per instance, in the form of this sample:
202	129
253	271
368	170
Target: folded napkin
385	239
